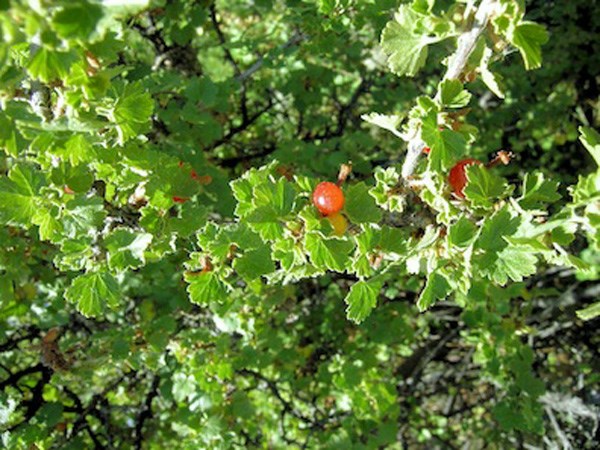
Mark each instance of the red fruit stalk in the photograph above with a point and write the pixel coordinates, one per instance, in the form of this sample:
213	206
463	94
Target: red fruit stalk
328	198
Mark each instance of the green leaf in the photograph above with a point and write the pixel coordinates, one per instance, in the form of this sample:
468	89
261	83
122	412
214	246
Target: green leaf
453	95
361	299
586	189
48	65
491	79
327	6
123	8
436	288
77	19
7	290
254	263
405	48
514	263
529	37
74	254
265	221
126	249
387	122
50	413
205	288
92	291
385	191
506	416
279	196
590	139
589	313
78	149
484	187
82	215
329	254
18	195
191	218
461	233
50	227
132	111
538	192
360	205
501	224
446	146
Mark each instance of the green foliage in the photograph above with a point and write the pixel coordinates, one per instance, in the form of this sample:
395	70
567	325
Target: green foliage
165	277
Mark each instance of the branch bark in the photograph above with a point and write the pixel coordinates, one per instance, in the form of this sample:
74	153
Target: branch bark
466	44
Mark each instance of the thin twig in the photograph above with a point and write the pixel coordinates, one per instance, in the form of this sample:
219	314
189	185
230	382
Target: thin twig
466	44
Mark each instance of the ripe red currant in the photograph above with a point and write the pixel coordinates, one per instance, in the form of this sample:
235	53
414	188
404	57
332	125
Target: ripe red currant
328	198
457	177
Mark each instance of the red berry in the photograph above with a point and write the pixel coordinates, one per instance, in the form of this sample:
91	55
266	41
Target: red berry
457	177
426	150
177	199
328	198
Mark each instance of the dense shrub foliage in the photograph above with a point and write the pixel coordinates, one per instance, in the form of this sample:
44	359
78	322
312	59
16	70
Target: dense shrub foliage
169	278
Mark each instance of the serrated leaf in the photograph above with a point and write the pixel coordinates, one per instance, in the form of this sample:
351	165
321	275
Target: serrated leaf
329	254
361	299
590	139
589	313
529	37
279	196
254	263
18	195
360	205
132	111
406	49
77	19
48	65
484	187
387	122
74	254
507	416
205	288
501	223
453	95
242	191
265	221
82	215
436	288
491	79
92	292
126	249
446	146
50	228
393	240
462	232
514	263
586	189
537	191
78	149
386	180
